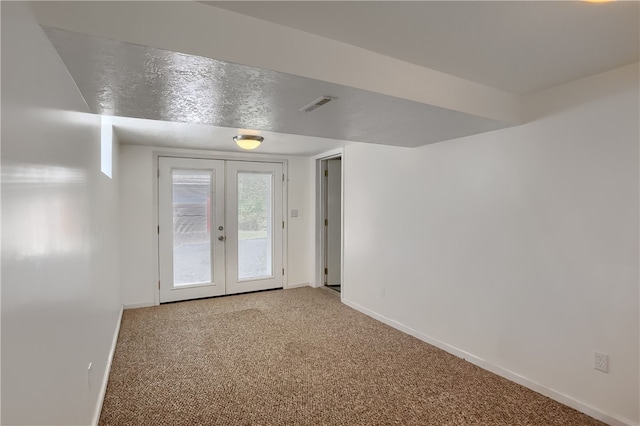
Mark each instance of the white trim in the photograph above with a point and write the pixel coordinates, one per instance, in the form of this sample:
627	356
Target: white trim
156	226
107	370
139	305
218	155
337	152
321	237
343	209
285	218
297	286
565	399
318	225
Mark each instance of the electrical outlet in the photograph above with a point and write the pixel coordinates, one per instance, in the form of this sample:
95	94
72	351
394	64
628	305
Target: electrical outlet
601	362
382	292
294	212
89	375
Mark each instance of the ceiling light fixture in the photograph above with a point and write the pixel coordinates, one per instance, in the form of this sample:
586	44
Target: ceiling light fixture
248	141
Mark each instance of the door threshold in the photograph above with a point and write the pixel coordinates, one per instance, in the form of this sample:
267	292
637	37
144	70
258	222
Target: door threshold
223	295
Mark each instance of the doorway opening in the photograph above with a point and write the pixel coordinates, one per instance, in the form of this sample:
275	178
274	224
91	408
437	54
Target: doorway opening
331	208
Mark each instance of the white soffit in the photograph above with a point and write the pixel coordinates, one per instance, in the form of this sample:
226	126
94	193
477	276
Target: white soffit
198	29
166	134
130	80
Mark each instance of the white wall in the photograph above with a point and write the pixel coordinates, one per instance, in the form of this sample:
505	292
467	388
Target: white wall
300	239
138	217
60	282
518	247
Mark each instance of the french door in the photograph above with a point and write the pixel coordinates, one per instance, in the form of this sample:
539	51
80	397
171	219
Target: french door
220	227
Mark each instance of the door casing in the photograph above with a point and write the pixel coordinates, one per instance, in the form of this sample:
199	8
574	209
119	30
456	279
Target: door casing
320	164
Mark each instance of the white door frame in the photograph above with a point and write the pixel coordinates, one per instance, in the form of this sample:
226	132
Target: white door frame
216	155
319	222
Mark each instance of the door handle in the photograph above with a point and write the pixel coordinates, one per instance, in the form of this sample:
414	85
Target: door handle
221	238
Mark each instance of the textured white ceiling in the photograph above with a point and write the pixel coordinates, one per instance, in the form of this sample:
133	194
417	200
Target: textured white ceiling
129	80
516	46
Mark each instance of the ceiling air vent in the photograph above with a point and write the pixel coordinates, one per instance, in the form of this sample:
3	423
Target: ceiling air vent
316	104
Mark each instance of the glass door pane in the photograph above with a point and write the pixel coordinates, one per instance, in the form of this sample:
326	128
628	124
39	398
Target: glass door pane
192	227
255	212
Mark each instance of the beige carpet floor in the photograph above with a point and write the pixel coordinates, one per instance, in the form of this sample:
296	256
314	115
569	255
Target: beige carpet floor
300	357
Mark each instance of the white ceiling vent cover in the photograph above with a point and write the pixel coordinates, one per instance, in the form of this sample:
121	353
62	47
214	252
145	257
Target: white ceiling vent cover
316	104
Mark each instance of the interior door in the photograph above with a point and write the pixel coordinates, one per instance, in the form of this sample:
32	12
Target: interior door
220	227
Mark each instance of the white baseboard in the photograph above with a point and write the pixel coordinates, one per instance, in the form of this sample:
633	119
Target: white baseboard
139	305
107	370
509	375
297	285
